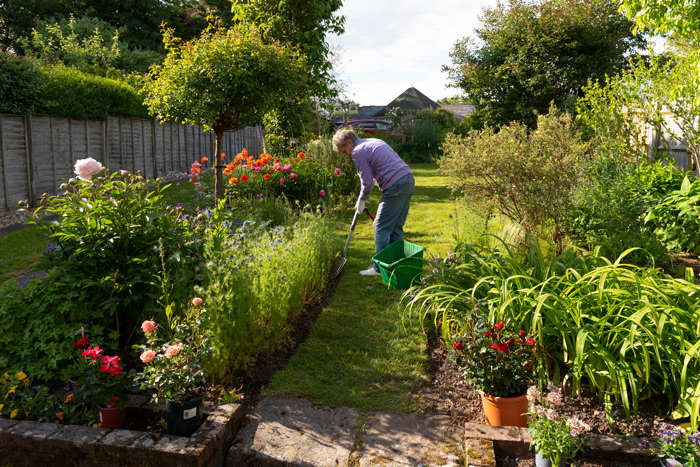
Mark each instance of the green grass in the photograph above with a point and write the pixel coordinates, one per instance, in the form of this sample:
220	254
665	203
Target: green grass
358	353
20	251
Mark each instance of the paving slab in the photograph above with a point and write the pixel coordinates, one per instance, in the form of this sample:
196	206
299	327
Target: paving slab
285	431
398	440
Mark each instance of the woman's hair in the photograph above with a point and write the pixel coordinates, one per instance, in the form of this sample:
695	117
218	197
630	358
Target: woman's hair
341	137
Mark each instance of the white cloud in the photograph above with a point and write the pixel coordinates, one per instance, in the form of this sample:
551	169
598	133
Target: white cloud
390	45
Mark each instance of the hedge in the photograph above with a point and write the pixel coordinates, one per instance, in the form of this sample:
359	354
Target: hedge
27	87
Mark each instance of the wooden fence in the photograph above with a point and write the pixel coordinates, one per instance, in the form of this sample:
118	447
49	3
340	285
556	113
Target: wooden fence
38	152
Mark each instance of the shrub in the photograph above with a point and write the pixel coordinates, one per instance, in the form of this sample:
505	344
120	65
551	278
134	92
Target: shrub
527	175
609	202
118	245
19	85
675	221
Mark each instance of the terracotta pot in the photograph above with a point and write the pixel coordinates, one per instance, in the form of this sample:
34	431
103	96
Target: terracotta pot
111	417
505	411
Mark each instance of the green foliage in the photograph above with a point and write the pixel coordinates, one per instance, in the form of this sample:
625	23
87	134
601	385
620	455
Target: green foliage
551	435
527	175
494	358
88	54
304	25
609	202
657	95
20	399
527	55
664	16
625	332
174	364
39	321
675	220
225	80
115	241
19	85
19	251
258	281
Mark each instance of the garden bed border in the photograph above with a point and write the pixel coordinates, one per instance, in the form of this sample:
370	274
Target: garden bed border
26	442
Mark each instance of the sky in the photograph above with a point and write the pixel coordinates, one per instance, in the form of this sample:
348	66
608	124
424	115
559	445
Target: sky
390	45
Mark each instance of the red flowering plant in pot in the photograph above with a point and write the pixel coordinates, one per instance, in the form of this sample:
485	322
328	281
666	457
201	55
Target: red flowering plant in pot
496	359
101	378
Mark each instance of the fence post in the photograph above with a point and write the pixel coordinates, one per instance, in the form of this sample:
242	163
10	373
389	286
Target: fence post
30	160
4	154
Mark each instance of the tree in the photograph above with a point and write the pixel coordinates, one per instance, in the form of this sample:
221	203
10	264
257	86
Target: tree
665	16
530	54
226	79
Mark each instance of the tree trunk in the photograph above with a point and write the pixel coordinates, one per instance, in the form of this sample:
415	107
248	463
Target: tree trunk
218	166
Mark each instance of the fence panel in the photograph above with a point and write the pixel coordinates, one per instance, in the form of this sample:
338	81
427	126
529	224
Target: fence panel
38	152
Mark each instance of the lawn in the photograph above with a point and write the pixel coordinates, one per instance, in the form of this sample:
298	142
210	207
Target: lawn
359	353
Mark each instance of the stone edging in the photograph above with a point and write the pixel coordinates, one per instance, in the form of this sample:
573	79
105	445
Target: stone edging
482	442
35	443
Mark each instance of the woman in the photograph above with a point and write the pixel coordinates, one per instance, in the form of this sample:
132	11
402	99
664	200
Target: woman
376	162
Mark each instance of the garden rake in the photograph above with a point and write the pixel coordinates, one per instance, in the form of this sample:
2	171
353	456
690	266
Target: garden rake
340	264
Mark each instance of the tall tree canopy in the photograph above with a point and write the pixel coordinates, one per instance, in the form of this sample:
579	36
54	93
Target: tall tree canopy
225	79
665	16
529	54
301	23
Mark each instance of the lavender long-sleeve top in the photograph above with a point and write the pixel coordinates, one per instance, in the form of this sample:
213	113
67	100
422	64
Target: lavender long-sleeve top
376	162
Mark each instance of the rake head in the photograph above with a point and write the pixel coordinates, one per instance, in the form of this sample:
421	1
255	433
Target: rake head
338	267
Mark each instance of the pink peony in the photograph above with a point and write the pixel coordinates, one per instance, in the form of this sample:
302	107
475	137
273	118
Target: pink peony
322	193
196	301
147	356
86	168
292	175
282	181
337	171
173	350
148	326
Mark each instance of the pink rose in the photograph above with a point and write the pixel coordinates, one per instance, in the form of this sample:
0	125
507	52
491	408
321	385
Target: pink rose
148	326
147	356
287	167
196	301
86	168
173	350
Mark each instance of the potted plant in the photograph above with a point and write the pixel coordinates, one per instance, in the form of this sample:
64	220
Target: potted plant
676	446
102	382
554	438
498	361
174	366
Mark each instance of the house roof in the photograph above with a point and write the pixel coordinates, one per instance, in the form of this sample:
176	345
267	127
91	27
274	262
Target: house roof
363	113
410	99
459	110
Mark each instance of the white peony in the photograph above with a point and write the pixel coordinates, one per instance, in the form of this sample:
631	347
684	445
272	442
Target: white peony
86	168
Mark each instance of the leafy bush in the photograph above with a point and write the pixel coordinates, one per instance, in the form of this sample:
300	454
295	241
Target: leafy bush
39	321
609	202
258	281
675	220
117	243
19	85
527	175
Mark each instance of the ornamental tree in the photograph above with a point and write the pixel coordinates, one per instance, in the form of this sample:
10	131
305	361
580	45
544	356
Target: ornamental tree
530	54
226	79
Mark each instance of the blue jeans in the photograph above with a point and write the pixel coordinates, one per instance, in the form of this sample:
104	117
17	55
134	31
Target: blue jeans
392	213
